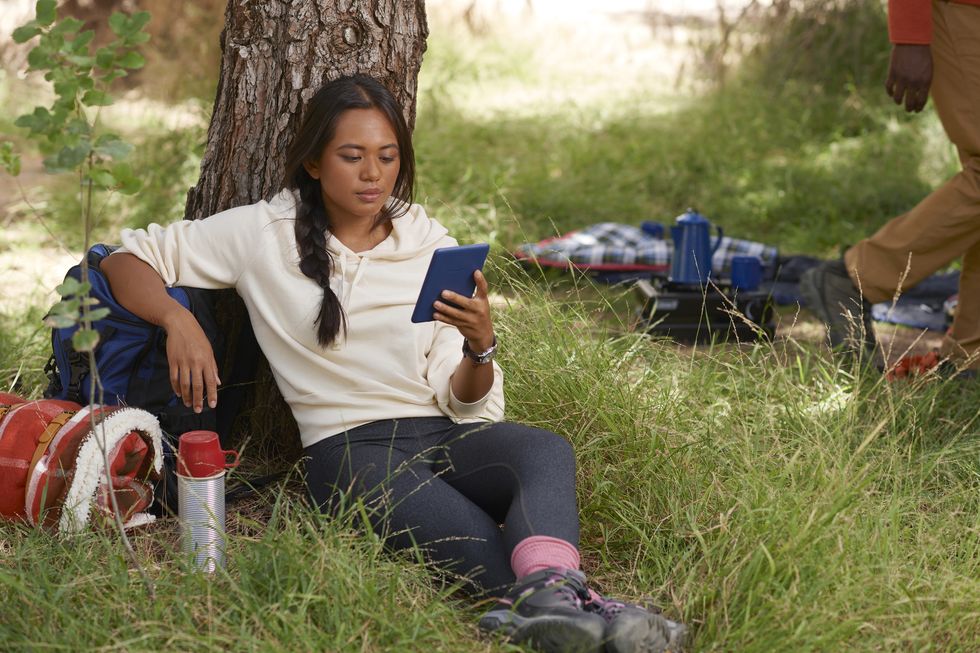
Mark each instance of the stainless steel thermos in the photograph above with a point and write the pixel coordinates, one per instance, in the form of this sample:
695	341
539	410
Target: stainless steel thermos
201	465
201	510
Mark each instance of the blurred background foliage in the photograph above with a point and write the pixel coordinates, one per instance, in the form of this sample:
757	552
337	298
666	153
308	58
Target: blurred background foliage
774	124
781	133
769	118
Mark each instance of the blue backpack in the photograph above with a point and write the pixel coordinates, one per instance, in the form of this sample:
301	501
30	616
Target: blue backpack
132	360
131	355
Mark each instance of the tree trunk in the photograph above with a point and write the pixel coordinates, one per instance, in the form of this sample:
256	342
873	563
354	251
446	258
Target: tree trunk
275	55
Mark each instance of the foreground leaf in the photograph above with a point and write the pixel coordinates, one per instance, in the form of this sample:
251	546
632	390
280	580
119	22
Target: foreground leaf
85	340
72	286
26	32
56	321
45	10
9	159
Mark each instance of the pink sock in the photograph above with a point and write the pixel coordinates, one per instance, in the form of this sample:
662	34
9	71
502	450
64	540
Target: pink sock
540	552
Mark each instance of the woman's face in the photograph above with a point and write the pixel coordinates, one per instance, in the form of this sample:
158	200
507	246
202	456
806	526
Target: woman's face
358	167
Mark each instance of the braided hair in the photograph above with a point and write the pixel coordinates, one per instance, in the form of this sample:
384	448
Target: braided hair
312	225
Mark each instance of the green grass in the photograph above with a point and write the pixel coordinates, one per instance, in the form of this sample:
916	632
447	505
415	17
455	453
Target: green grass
805	174
800	148
771	499
25	345
294	583
712	482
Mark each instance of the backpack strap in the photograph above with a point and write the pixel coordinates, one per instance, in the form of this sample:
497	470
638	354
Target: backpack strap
6	408
46	436
77	370
78	366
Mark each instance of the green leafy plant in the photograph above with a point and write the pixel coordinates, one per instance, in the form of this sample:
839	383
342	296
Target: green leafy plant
72	140
68	131
70	135
9	159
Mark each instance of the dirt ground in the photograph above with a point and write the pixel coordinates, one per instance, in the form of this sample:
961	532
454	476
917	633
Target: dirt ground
30	274
29	271
896	341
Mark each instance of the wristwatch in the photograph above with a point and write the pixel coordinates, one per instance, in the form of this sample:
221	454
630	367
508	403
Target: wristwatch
483	357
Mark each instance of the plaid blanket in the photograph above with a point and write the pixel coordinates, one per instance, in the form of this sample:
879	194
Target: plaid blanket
614	247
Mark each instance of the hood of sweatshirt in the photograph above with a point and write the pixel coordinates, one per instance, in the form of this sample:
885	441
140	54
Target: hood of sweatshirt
413	236
413	233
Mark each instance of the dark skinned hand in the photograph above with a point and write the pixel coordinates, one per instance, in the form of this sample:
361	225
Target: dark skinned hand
472	318
193	370
909	76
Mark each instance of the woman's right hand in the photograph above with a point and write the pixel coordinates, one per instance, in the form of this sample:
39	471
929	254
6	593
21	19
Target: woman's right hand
193	370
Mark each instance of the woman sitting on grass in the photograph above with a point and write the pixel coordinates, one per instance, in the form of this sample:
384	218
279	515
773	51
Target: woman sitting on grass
403	416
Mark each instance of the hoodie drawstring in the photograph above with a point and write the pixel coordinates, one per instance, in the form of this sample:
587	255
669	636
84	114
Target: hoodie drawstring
344	290
362	263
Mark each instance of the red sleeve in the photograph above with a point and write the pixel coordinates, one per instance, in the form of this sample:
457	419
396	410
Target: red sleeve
910	21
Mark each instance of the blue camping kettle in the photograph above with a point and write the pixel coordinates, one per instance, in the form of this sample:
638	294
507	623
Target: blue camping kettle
691	264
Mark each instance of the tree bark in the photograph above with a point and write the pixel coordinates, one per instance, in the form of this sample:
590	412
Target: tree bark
275	55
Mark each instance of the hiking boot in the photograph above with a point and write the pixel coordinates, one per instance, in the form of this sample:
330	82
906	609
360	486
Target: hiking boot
546	611
830	293
947	369
633	629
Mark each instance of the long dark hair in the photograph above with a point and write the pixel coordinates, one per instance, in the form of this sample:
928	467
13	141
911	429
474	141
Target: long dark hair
312	220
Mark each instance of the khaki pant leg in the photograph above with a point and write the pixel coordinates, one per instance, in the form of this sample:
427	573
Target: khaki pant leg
964	341
946	224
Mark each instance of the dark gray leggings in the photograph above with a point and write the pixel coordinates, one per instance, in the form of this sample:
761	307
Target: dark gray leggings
448	487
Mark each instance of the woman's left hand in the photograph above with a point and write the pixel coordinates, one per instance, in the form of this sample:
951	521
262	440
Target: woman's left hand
472	318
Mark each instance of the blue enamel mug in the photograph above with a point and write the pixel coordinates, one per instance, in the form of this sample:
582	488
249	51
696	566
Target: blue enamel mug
746	272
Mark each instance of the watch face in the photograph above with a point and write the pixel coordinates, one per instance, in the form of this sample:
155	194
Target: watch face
482	357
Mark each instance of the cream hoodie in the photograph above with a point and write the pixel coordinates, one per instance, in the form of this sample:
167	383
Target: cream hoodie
386	367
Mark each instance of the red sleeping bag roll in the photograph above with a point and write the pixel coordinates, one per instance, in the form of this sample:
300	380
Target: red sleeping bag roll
52	465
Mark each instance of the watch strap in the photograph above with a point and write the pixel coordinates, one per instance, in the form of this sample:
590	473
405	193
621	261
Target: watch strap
483	357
